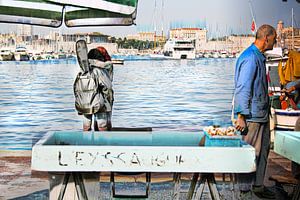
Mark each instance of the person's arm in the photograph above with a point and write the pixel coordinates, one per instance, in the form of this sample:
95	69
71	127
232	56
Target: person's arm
245	76
293	88
100	64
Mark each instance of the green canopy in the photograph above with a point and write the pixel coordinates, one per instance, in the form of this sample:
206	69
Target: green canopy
75	13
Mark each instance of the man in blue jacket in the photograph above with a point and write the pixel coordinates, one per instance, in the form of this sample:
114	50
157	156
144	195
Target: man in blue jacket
251	105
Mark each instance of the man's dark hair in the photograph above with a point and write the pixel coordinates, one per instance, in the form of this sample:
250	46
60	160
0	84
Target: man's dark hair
265	30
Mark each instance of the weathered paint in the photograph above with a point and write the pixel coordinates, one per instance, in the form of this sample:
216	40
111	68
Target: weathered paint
287	144
154	152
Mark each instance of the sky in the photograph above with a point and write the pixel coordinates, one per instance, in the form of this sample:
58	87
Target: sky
219	17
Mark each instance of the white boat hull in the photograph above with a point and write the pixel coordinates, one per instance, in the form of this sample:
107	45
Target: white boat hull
282	120
184	55
285	119
180	49
157	56
118	61
6	57
22	57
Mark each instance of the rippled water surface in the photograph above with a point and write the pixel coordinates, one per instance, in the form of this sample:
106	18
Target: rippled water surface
166	95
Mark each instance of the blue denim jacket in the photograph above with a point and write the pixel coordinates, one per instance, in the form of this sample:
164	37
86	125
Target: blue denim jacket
251	86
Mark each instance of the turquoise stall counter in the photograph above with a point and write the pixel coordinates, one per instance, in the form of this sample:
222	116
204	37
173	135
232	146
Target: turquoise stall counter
287	144
157	151
119	138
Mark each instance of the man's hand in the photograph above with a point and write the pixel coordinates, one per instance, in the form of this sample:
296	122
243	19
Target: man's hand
291	89
240	123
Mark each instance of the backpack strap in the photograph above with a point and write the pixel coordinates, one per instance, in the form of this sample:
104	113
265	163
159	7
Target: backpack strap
82	55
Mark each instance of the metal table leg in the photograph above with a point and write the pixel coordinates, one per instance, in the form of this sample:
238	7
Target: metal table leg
213	187
69	185
193	185
177	184
64	186
79	185
211	184
296	195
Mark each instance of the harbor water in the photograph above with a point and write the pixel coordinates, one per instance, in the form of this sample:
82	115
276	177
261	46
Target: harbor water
180	95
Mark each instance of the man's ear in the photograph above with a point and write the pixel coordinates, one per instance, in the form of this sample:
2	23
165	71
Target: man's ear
266	39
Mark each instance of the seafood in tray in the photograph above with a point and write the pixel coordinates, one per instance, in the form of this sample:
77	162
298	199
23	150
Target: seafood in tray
220	131
222	136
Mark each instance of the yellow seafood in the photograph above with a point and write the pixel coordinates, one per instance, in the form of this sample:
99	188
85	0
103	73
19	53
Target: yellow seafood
221	131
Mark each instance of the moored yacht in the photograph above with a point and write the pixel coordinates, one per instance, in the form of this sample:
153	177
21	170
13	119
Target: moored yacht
21	54
6	55
180	49
224	54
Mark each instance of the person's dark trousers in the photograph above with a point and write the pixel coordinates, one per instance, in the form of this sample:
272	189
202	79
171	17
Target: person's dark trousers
259	137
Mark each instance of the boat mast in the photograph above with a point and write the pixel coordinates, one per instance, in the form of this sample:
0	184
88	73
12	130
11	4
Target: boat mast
293	28
162	17
252	15
154	21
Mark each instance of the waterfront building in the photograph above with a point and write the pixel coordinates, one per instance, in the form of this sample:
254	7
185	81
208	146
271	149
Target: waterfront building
143	36
93	37
112	48
233	43
147	36
7	39
133	37
291	37
240	42
217	46
159	40
280	38
287	37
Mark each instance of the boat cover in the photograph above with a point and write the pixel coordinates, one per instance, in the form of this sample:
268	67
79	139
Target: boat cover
74	13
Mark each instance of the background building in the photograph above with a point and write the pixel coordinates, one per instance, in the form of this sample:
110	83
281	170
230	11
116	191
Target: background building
288	37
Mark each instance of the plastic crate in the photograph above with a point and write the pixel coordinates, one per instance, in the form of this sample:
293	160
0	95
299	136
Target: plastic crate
222	141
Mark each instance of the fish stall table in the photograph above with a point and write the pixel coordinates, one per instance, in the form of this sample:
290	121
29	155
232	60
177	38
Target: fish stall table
81	156
287	145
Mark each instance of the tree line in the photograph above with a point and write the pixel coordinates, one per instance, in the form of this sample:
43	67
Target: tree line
134	44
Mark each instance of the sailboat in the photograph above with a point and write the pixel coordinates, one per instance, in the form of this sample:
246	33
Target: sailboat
157	51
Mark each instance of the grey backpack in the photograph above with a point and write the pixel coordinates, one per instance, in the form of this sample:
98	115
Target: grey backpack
87	89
